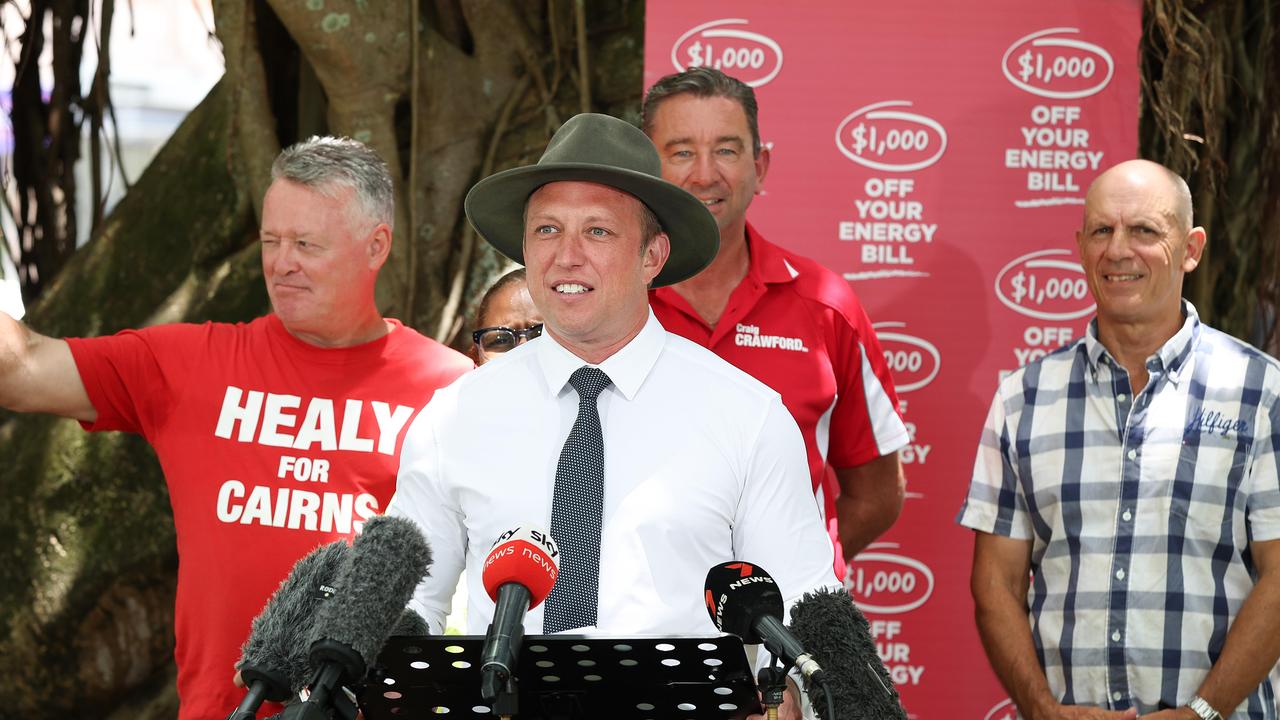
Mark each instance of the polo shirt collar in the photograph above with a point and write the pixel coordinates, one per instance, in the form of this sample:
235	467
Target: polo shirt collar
1169	358
768	264
627	368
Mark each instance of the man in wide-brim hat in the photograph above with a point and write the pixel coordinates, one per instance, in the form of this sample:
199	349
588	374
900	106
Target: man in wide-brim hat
599	161
650	459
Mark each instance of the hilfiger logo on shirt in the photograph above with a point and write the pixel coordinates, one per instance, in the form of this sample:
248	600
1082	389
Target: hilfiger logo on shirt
1214	422
749	336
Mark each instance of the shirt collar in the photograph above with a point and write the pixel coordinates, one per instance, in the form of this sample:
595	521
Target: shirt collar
627	368
768	263
1169	358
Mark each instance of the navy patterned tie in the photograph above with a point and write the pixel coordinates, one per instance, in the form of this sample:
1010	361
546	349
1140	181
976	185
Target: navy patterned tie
576	509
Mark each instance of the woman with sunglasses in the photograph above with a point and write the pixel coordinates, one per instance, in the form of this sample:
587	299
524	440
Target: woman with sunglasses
506	318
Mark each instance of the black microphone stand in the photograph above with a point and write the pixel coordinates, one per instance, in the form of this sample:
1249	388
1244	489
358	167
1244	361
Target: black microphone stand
264	684
506	699
502	642
339	666
772	680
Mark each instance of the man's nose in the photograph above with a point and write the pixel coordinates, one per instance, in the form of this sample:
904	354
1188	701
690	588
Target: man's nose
703	171
569	251
285	257
1118	245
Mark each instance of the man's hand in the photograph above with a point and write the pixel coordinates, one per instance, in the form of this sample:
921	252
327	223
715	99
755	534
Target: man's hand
239	681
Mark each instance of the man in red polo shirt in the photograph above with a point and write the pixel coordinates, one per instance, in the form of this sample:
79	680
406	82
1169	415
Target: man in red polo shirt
785	319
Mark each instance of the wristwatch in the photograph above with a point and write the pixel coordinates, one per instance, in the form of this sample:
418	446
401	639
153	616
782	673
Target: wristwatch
1202	709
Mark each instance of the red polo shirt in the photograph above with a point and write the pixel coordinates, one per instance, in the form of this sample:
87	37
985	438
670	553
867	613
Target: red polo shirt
798	328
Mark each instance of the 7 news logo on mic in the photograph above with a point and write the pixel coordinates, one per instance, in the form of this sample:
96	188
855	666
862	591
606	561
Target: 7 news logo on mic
748	575
742	574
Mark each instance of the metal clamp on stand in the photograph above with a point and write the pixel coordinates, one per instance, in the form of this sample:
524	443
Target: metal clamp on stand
773	687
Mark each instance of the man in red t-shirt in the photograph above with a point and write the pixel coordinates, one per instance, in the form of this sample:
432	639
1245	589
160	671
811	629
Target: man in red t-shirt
275	436
786	320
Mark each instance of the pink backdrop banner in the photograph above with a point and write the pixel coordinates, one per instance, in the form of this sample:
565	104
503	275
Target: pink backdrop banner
936	155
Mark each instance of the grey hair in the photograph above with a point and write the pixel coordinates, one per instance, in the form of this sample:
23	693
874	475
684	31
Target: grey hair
326	164
1181	199
703	82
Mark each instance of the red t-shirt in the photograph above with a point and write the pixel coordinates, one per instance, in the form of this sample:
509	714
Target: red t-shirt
798	328
270	447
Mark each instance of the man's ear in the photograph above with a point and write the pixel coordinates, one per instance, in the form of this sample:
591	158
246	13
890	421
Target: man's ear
655	256
762	165
379	246
1194	250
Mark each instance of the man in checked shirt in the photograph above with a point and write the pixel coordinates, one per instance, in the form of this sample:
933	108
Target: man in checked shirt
1126	494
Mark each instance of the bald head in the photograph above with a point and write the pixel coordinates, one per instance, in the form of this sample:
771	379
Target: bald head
1136	244
1146	177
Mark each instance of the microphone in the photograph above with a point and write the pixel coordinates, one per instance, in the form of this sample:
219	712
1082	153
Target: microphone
518	575
744	600
839	636
410	623
385	563
273	662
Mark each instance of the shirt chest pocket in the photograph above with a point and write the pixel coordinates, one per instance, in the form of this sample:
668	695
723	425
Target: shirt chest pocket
1200	478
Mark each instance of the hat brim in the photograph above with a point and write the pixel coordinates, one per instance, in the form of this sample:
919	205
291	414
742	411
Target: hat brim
495	207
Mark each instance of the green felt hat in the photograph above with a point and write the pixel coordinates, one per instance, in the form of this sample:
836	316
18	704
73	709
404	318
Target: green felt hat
599	149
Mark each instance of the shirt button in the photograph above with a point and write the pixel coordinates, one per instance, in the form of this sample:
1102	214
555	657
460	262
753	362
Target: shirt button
1127	516
1122	397
1116	636
1120	574
1133	454
1116	696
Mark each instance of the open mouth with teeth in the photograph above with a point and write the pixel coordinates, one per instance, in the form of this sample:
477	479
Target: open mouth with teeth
1118	277
571	289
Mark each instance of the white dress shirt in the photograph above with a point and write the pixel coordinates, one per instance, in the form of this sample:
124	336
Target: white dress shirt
703	464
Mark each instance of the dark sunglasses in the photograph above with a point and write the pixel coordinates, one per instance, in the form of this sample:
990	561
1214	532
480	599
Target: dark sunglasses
495	340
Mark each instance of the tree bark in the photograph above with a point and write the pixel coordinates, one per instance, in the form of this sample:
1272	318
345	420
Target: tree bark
87	577
1210	73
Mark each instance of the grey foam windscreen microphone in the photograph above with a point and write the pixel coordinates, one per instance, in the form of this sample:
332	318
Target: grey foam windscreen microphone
411	623
273	662
385	563
838	636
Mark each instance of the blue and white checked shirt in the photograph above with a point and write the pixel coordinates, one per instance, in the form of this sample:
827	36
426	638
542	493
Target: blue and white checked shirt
1140	510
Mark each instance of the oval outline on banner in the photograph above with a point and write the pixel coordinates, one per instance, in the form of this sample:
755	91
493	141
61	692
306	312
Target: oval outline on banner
738	34
1059	42
914	341
1038	314
892	115
1002	705
904	561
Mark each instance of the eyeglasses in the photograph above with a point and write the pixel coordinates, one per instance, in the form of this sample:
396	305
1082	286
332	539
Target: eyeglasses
496	340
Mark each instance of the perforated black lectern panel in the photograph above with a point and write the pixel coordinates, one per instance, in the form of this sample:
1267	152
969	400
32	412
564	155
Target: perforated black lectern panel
567	676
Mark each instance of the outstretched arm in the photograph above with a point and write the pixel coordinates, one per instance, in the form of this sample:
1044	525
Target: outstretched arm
38	374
